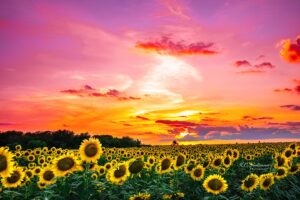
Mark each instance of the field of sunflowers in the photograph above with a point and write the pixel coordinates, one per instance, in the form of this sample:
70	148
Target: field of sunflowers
236	171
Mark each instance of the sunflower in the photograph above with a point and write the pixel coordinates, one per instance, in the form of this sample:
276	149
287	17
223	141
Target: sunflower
118	174
47	175
180	161
101	170
294	169
215	184
250	183
280	161
108	166
151	160
140	196
14	179
94	176
135	166
266	181
198	173
18	147
165	164
65	164
288	153
90	150
235	154
227	161
6	162
281	172
217	162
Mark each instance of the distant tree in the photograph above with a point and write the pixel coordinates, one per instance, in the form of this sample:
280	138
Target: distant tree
60	138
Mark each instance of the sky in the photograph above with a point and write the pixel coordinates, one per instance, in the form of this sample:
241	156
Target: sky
159	70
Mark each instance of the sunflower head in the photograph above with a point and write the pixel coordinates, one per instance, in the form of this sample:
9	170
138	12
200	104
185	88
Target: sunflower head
65	164
250	183
198	173
215	184
136	166
281	172
266	181
14	179
47	175
6	162
118	174
180	161
90	150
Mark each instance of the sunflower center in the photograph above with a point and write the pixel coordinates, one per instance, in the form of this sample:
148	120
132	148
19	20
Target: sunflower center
288	153
227	161
120	172
267	182
3	163
198	172
217	162
151	161
215	184
14	177
136	166
90	150
165	164
65	164
138	198
249	182
280	172
179	161
294	168
101	170
48	175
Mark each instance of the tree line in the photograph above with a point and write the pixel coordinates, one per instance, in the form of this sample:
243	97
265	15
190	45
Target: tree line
61	139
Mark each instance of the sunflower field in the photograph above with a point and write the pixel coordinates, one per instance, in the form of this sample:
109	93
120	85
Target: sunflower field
236	171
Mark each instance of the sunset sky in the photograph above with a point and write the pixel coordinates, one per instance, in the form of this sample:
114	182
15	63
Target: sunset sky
157	70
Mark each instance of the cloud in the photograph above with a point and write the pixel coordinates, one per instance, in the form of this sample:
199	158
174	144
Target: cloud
175	8
176	123
291	107
251	118
248	68
88	91
295	90
165	45
241	63
265	65
142	118
198	131
6	124
290	51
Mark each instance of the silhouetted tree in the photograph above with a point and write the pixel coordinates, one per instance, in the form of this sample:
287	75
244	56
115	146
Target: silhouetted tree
60	138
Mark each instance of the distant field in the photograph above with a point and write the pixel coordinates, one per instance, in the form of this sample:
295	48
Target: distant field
232	171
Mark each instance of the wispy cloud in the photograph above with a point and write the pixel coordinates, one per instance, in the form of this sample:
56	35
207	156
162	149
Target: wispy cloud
88	91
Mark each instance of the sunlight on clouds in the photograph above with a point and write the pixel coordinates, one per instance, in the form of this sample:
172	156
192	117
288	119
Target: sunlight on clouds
170	71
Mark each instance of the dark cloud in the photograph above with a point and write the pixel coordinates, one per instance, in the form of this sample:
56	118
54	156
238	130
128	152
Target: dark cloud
247	117
290	51
88	91
176	123
265	65
208	132
142	118
242	63
295	90
6	124
165	45
248	68
291	107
